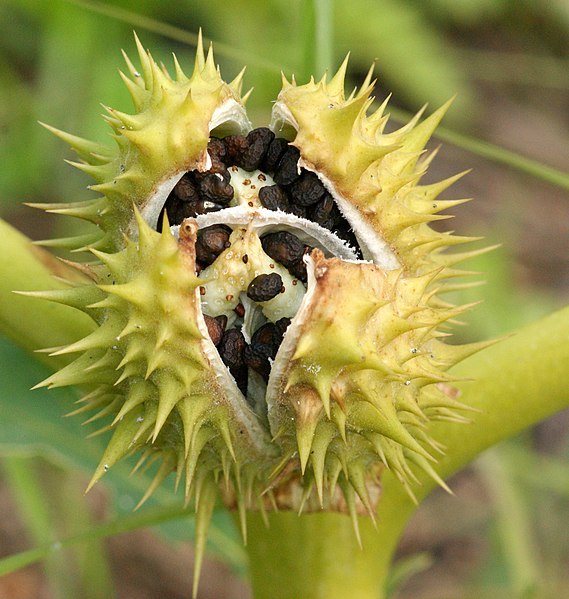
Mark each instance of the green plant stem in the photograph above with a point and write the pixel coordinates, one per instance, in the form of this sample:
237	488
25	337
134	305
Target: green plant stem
495	153
30	322
135	521
323	35
314	556
317	37
37	499
517	382
34	512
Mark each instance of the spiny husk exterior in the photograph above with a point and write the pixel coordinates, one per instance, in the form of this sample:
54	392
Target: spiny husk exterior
148	365
362	369
376	173
369	369
165	137
365	376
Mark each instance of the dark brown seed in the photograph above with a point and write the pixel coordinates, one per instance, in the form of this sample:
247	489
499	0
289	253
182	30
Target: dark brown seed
256	145
215	327
217	168
234	147
213	187
284	247
287	168
325	213
271	334
231	347
298	270
177	211
186	189
222	320
265	287
217	152
241	379
280	328
216	149
300	211
264	345
264	335
210	242
274	197
307	189
187	209
239	310
274	153
257	358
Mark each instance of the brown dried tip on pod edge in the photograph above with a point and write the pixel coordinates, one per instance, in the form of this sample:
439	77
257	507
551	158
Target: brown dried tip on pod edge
269	302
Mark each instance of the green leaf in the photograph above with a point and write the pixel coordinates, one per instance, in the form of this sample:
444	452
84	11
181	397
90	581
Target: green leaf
414	59
32	424
519	549
46	501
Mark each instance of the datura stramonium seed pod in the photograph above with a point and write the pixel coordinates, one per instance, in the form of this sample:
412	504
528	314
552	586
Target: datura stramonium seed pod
269	302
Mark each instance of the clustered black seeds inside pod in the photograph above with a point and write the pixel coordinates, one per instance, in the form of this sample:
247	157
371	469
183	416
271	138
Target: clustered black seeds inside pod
255	171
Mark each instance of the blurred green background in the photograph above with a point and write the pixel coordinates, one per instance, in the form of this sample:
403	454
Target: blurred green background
505	534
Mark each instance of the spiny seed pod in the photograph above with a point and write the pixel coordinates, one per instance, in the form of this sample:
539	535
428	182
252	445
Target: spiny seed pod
269	301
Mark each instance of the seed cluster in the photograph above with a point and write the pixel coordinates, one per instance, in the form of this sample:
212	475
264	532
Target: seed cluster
295	191
238	355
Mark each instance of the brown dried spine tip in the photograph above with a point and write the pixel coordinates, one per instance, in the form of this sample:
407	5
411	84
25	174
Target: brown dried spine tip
265	287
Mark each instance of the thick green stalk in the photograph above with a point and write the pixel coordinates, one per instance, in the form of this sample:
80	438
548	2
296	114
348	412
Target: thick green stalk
517	383
314	556
30	322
